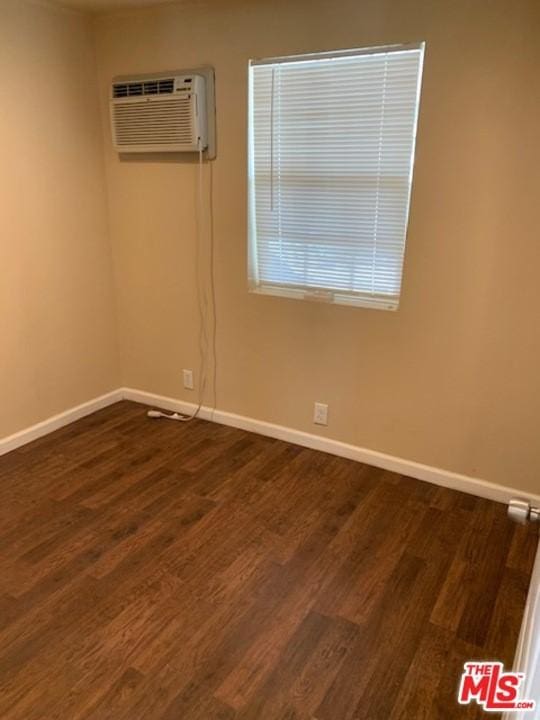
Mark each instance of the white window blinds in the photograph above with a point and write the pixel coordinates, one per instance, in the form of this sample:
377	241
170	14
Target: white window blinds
331	145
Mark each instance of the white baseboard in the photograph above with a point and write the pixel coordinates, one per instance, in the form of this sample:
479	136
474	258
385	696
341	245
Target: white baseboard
12	442
428	473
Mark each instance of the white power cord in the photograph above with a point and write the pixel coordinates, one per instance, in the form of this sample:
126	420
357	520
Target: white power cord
202	301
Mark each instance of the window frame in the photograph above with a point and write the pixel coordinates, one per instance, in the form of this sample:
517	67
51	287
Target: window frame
323	294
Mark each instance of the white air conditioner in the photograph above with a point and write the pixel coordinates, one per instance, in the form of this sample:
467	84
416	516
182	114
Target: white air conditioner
160	113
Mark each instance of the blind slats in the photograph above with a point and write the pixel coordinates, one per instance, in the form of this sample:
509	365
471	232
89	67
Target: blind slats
331	149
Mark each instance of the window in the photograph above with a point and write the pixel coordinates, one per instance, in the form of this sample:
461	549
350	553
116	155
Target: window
331	146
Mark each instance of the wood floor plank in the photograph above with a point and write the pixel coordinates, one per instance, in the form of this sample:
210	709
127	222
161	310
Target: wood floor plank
420	686
190	571
272	698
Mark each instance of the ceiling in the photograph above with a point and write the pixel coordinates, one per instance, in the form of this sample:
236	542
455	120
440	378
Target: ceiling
106	4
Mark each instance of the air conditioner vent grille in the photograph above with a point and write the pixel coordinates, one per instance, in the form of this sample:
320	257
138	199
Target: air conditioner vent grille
167	122
151	87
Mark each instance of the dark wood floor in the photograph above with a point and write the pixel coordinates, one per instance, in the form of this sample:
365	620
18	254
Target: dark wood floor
161	571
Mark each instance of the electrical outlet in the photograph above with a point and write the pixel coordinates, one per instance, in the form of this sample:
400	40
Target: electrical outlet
320	414
188	379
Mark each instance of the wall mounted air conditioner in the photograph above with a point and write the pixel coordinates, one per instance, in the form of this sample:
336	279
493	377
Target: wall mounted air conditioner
159	113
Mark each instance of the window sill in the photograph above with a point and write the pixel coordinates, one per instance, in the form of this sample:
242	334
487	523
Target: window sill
327	297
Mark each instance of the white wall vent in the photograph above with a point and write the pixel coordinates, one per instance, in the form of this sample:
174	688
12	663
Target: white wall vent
159	114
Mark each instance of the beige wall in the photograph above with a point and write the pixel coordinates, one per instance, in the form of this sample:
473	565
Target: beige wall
58	344
452	378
